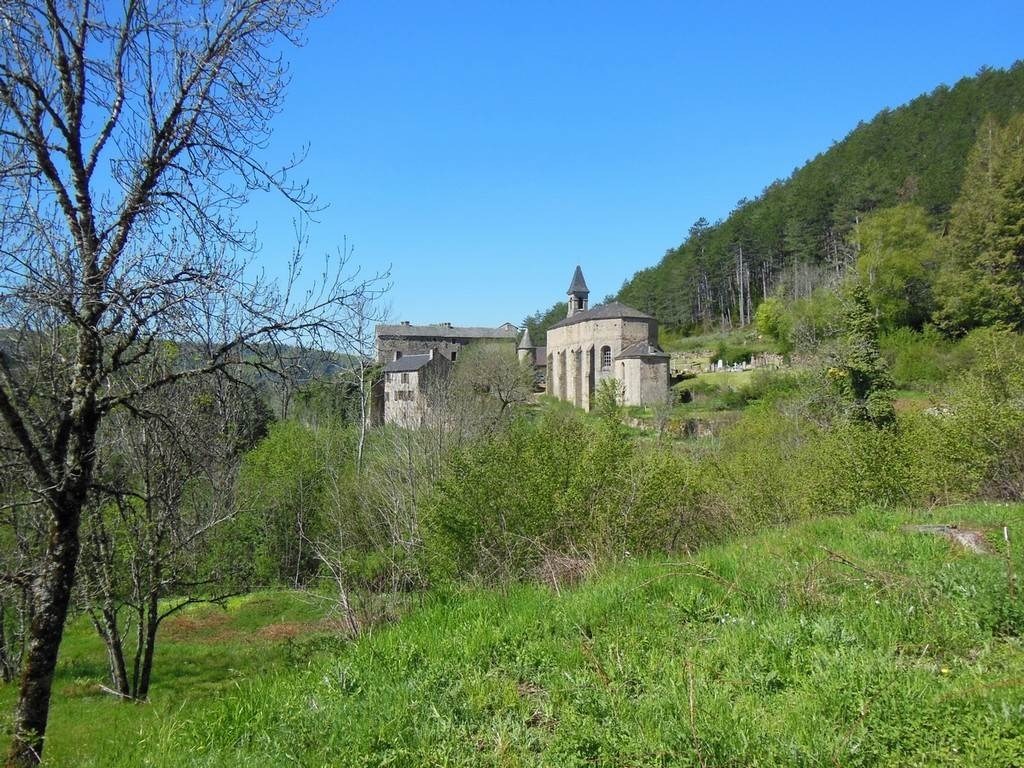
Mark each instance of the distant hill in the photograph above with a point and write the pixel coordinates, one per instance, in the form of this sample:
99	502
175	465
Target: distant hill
792	236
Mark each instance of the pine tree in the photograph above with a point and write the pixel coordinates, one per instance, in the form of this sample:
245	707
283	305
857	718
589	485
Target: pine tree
983	283
859	375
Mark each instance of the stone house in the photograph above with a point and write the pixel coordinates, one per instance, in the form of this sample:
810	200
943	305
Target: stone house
410	355
448	339
409	381
608	341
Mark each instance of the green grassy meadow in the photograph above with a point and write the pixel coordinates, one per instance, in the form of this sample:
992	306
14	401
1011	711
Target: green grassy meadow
833	642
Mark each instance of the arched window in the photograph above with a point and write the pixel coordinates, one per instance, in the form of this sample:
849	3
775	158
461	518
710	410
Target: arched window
606	358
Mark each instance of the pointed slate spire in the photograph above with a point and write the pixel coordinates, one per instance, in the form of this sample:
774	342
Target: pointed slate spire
578	284
526	342
578	293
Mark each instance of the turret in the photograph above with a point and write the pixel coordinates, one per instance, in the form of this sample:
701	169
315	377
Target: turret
527	350
578	293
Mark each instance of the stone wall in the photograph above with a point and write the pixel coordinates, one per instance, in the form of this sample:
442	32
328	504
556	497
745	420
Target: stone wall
644	380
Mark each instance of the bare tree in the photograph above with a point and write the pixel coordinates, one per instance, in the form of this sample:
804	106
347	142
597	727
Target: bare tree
129	136
21	539
167	483
494	374
361	348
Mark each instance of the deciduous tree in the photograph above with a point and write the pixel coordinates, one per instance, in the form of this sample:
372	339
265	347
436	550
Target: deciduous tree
130	134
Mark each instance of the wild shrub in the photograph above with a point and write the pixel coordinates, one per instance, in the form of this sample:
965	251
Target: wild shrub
280	498
789	457
917	359
756	471
559	483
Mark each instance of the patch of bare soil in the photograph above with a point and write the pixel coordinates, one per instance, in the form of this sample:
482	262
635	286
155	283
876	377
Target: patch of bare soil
208	626
286	630
214	627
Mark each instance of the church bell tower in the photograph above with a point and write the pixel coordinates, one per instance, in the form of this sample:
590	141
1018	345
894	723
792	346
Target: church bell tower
578	293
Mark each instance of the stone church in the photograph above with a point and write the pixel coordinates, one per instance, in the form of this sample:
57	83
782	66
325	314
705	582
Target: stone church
611	341
608	341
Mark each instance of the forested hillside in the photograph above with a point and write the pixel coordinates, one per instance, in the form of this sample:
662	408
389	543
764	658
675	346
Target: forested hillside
796	235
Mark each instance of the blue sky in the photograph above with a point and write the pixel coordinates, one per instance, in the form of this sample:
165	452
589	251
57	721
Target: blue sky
483	149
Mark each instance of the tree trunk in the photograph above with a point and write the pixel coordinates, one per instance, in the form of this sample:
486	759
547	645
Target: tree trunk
52	596
140	639
105	619
6	668
152	623
110	633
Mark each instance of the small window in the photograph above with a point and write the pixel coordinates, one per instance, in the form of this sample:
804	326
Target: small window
606	358
398	355
455	353
405	378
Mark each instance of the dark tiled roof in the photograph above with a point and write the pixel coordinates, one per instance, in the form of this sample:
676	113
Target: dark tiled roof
604	312
407	363
448	331
578	284
542	355
641	349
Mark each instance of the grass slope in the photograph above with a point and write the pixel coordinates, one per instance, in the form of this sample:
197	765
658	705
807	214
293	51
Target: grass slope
201	656
836	642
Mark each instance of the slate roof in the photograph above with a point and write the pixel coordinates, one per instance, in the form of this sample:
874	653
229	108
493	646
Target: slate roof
407	363
526	342
446	331
609	311
578	284
642	349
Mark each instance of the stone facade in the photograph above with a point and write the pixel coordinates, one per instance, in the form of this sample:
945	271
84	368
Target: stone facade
535	357
415	357
408	384
609	341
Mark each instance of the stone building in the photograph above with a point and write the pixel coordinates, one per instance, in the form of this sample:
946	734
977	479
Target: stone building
608	341
448	339
409	381
414	358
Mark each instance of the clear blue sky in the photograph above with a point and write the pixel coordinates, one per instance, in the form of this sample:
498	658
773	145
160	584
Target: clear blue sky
483	148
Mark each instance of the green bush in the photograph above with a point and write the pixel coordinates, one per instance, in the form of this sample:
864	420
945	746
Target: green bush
283	498
917	359
781	462
560	483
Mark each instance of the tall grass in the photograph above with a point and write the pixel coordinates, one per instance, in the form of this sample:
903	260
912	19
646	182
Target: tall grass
841	641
